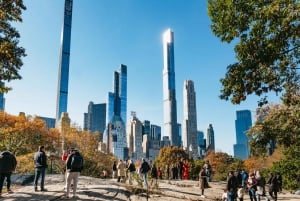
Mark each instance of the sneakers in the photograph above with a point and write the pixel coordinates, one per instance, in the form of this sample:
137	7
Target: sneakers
35	189
9	191
44	189
202	196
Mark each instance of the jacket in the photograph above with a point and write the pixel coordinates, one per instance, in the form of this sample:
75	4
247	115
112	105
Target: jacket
40	160
69	163
8	162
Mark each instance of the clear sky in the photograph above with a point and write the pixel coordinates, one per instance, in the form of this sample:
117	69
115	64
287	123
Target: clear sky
107	33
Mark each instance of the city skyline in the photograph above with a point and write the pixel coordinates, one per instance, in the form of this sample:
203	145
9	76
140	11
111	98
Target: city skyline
106	34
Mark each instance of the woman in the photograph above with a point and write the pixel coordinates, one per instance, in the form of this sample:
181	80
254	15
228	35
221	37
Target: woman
185	170
202	181
252	186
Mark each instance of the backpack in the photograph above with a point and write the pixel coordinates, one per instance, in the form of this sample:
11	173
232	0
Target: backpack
76	162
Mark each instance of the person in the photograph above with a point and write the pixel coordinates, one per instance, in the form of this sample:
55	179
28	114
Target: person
231	186
202	181
180	169
244	179
207	167
131	170
261	182
185	170
252	186
121	171
167	169
74	167
143	171
273	186
8	164
40	163
104	173
114	170
159	173
279	182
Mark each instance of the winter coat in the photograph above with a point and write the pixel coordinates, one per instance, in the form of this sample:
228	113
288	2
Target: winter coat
8	162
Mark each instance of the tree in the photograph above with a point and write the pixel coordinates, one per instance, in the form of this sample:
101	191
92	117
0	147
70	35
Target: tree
10	53
266	34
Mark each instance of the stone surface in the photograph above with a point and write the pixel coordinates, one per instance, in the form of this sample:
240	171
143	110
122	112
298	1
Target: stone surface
108	189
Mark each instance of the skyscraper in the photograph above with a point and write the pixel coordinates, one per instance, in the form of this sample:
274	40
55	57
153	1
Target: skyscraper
115	133
2	99
210	138
95	118
135	138
190	117
243	123
63	73
169	90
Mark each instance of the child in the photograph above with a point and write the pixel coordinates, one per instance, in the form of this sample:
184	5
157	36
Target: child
241	193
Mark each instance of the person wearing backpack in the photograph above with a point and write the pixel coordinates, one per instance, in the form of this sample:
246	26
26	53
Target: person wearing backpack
74	167
8	164
143	171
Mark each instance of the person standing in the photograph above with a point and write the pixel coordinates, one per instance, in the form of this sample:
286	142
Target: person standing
8	164
252	186
202	181
40	163
207	167
121	171
131	171
143	171
185	170
74	167
114	170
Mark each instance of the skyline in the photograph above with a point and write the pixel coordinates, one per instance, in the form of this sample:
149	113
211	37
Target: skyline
106	34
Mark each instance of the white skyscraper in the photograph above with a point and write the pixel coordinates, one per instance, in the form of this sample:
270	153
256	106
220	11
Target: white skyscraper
189	125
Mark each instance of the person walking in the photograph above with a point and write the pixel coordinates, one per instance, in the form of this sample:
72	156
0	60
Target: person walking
74	167
40	163
202	181
231	186
143	171
252	186
8	164
185	170
273	186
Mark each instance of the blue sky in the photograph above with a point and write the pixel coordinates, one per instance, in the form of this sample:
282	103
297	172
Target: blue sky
107	33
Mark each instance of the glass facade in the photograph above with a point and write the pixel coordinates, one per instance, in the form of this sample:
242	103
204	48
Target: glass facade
63	74
2	101
95	118
210	138
242	123
169	92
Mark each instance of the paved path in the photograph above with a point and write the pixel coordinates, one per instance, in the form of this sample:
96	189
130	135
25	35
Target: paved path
100	189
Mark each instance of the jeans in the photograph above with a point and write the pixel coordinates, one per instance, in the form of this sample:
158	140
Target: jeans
231	195
144	176
39	172
2	178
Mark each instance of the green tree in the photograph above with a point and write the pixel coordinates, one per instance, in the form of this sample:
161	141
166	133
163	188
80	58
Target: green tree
10	53
266	35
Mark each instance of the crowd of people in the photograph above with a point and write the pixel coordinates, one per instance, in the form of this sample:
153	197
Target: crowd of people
254	184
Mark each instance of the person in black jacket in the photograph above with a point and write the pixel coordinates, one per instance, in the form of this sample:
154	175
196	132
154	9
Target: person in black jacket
8	164
273	186
74	167
40	163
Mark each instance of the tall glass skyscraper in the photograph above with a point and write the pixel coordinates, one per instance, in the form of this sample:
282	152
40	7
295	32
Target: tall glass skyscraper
63	73
169	90
190	117
243	123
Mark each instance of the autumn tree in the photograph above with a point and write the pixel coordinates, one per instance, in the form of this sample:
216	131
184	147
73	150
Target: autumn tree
266	35
10	52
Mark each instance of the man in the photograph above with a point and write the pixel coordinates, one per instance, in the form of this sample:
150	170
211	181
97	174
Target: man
74	167
231	187
8	164
40	163
144	170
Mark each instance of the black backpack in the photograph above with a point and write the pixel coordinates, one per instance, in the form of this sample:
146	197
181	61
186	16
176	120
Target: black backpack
76	162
